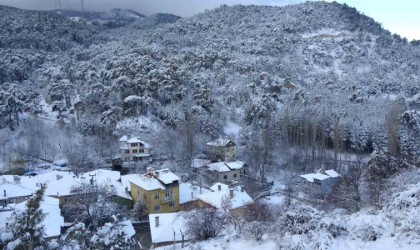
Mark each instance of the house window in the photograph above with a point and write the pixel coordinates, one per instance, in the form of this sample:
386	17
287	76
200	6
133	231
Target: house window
172	204
156	208
235	175
157	196
141	150
225	177
135	151
168	193
134	144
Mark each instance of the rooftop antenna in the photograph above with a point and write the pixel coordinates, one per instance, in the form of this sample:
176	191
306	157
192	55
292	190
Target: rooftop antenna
82	8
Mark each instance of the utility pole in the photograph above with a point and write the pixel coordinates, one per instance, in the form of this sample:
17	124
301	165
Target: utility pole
82	8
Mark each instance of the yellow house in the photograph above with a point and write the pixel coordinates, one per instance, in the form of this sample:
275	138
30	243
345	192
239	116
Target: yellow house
158	189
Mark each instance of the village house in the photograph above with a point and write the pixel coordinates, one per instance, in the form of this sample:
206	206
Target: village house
134	149
221	150
59	184
321	181
13	192
226	172
236	199
188	193
157	189
167	228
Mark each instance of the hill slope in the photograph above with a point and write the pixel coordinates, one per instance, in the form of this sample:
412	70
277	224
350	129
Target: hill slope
317	60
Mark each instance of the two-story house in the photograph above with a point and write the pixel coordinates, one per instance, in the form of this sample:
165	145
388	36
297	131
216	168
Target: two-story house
221	150
134	149
157	189
225	172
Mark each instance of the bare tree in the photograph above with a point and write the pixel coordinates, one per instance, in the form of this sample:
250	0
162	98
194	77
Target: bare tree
393	126
346	192
205	223
91	203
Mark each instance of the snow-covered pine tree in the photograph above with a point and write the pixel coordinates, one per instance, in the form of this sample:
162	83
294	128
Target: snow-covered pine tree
25	227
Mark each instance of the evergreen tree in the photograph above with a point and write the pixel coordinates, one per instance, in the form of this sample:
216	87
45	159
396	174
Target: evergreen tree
26	226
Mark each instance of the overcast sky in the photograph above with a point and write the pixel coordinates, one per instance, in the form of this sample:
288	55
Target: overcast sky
398	16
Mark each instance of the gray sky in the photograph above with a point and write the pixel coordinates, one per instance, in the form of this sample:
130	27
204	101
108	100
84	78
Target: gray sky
401	17
179	7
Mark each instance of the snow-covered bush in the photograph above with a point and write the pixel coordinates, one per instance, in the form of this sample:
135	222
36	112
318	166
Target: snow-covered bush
255	230
304	227
404	212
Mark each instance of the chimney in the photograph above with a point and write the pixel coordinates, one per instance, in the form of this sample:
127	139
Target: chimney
242	188
126	190
128	137
4	193
219	187
192	195
16	179
149	170
156	221
231	193
59	177
201	191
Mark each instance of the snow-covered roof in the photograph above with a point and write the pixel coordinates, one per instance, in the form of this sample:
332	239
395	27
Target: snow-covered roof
124	147
60	183
133	139
221	142
125	180
223	187
320	176
235	164
219	167
154	180
123	138
166	176
332	173
188	192
215	199
168	223
315	176
11	190
198	163
52	221
225	166
147	182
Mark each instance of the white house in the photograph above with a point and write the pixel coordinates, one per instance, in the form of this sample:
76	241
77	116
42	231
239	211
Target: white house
134	149
166	228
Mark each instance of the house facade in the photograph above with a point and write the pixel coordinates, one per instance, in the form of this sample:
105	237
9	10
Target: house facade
157	189
221	150
134	149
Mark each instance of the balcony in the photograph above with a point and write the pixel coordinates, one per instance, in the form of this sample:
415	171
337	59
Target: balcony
167	199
